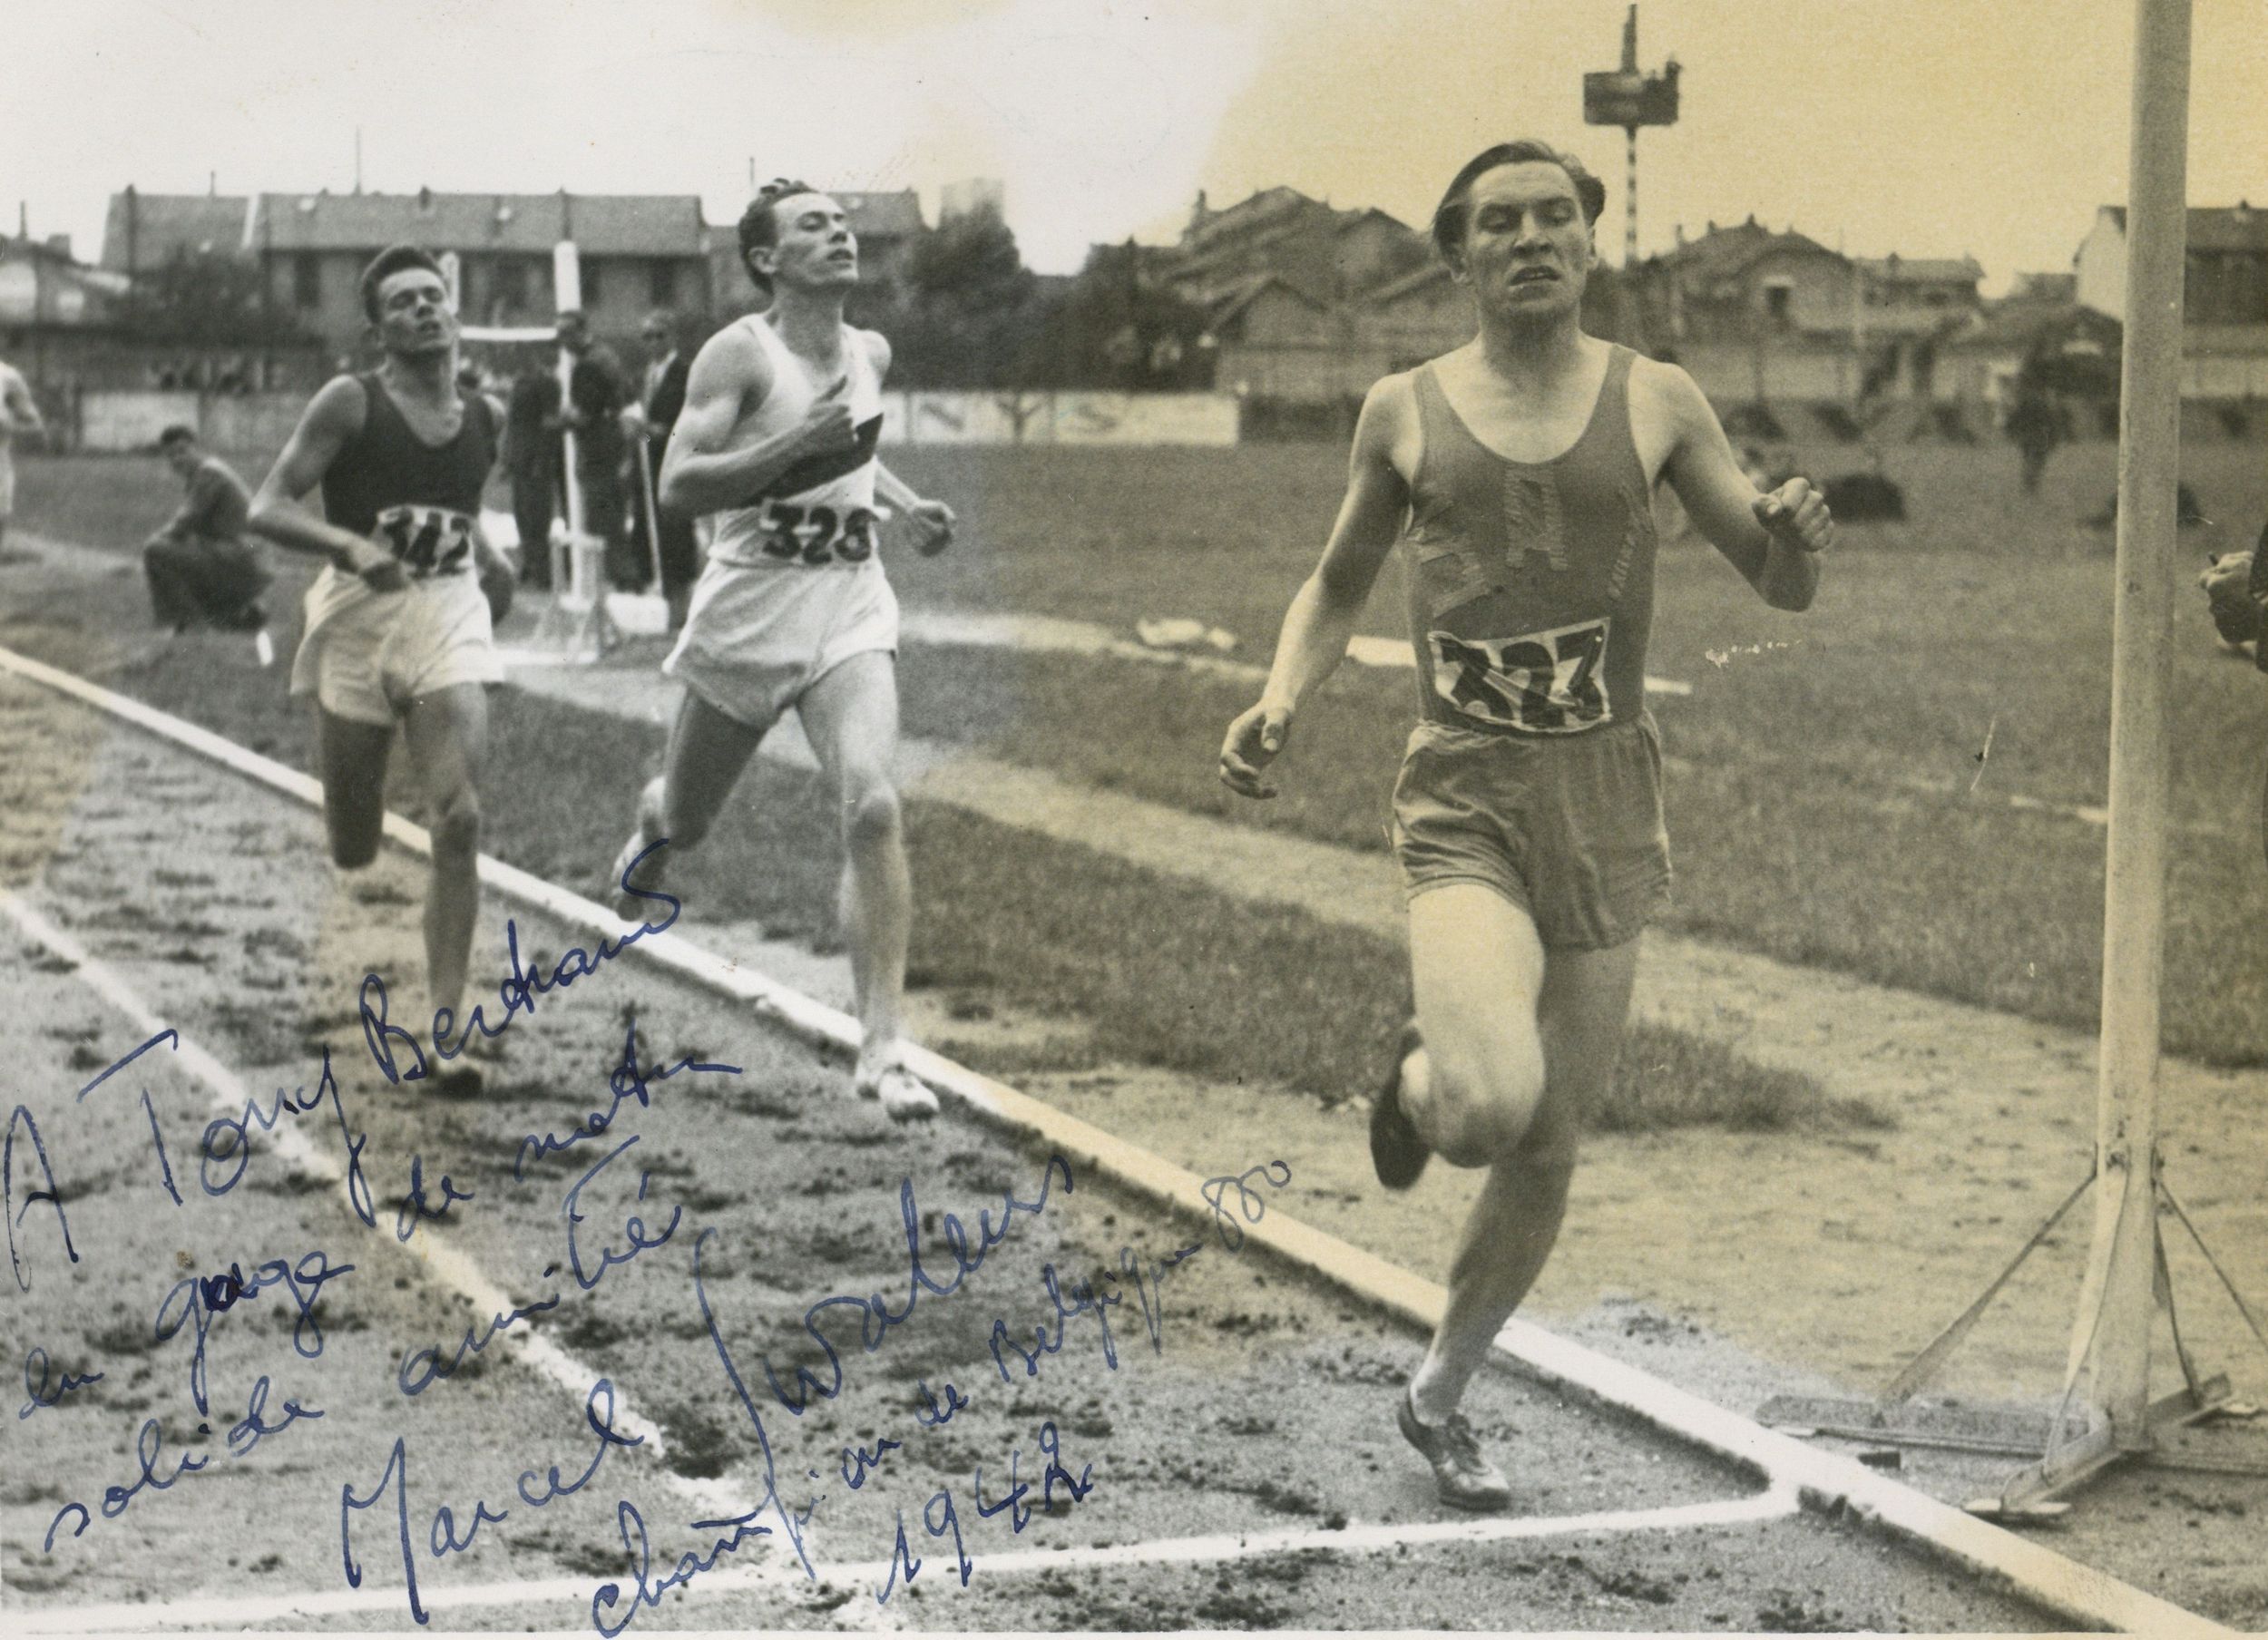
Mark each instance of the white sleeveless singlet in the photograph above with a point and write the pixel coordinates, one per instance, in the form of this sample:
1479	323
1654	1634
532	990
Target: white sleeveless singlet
818	514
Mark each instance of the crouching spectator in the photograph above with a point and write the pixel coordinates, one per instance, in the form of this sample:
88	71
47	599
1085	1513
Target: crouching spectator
203	570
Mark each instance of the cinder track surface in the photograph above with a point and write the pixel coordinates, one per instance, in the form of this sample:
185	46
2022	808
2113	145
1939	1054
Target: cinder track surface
1237	1465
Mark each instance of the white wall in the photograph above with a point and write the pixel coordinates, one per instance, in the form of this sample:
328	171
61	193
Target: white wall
2101	266
1059	418
131	419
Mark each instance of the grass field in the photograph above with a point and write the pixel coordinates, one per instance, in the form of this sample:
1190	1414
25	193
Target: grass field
1827	800
1160	970
1826	797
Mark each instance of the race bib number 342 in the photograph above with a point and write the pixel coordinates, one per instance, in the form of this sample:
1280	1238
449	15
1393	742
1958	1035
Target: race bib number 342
429	540
1545	683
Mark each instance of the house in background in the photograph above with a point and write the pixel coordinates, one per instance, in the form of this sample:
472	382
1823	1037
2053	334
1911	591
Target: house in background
1306	304
60	320
635	253
146	230
2225	294
43	284
2039	325
1334	256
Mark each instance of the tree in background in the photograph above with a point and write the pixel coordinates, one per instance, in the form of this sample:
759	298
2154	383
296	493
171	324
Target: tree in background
969	312
206	300
1114	328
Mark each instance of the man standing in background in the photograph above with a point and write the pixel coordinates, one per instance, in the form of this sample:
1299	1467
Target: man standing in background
18	414
660	403
597	391
531	456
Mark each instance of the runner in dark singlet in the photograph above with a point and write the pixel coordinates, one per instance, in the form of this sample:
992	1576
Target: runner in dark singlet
398	622
1518	475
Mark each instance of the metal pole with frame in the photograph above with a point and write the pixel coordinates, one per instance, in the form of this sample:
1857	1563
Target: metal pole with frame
2105	1414
579	582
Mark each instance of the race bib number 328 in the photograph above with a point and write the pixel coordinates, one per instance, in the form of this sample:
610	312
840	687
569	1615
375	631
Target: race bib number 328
1545	683
817	535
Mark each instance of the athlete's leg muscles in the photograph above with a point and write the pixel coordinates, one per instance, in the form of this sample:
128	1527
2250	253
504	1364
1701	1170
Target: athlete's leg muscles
1518	1044
708	750
851	715
1477	967
352	756
447	736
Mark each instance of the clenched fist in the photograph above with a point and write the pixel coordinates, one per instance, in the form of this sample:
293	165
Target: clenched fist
1797	514
1251	745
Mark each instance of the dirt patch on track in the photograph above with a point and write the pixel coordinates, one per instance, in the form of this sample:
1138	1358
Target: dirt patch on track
1244	1400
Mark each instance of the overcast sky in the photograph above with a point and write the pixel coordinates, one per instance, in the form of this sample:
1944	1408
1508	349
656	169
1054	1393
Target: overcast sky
1930	127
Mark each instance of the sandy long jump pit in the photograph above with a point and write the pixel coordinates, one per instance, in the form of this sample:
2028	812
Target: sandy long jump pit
666	1330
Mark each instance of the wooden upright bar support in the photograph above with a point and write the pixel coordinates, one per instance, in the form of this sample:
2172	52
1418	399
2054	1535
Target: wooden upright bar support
2113	1333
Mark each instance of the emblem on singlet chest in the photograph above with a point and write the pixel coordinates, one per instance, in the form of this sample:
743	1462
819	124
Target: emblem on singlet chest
1535	522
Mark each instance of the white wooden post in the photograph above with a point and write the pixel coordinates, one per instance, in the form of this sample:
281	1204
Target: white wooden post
2117	1301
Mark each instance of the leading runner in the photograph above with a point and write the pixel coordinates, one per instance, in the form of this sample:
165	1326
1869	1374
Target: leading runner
775	446
398	620
1518	473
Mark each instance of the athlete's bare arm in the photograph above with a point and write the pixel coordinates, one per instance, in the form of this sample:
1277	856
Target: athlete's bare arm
1772	540
931	521
331	420
495	572
1324	611
704	472
19	412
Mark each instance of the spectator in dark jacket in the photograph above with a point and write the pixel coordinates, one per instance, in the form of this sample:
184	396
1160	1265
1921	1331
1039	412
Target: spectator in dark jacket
597	394
532	457
660	403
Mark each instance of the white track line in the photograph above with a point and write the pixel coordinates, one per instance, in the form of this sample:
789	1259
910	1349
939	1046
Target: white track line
1776	1503
443	1263
864	1577
1826	1480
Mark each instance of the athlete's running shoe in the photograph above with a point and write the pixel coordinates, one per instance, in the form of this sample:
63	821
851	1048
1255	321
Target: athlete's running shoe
627	905
1396	1151
1462	1476
904	1097
464	1075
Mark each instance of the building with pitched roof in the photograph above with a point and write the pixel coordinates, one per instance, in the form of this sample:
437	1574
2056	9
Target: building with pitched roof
2224	294
1758	316
146	231
60	320
636	252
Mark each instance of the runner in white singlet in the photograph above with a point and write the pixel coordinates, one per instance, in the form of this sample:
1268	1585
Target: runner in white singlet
776	450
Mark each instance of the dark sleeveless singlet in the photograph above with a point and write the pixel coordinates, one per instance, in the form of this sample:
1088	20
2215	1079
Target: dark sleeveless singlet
386	464
1531	584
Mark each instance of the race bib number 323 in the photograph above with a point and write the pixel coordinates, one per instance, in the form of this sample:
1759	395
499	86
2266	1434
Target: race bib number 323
1545	683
